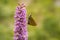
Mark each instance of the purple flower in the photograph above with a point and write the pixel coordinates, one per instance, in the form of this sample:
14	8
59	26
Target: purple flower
20	29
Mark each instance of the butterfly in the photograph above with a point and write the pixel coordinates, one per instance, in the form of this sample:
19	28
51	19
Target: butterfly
31	21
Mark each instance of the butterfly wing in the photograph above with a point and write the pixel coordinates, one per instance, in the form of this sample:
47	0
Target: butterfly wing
31	21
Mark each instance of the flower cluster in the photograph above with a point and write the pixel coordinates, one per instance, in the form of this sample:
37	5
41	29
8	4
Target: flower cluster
20	29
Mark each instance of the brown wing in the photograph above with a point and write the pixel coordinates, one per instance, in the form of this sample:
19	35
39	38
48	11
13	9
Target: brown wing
31	21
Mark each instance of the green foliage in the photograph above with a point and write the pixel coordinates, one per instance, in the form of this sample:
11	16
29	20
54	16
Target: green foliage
46	15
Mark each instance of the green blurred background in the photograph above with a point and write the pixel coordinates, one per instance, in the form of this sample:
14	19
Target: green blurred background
46	14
